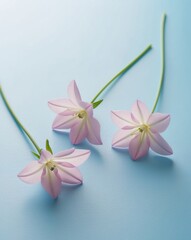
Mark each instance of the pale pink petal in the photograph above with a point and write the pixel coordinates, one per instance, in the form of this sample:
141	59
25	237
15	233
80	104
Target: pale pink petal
64	153
158	122
70	175
64	122
76	158
122	119
93	135
44	156
64	164
74	93
60	105
78	132
159	145
31	173
51	182
87	107
135	120
140	112
69	112
139	146
122	138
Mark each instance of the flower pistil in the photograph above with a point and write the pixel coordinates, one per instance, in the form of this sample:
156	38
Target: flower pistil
144	128
82	114
50	164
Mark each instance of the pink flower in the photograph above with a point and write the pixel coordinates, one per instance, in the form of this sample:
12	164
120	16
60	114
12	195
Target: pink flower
76	115
53	170
139	130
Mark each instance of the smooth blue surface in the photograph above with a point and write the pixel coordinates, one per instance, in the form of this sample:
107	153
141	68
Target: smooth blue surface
46	44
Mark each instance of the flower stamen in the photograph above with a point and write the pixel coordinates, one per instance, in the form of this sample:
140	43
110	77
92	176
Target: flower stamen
50	165
82	114
144	128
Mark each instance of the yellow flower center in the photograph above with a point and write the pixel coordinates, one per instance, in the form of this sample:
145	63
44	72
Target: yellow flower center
50	165
82	114
144	128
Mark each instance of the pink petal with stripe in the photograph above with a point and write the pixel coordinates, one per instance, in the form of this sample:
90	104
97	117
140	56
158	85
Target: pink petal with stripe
44	156
64	122
140	112
78	132
74	93
122	119
159	145
70	175
64	153
76	158
139	146
93	128
158	122
51	182
60	105
122	138
31	173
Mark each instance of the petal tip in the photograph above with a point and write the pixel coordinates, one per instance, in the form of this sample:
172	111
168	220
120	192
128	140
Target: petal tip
74	142
98	143
170	152
54	196
72	84
138	101
134	158
49	103
88	152
81	181
113	145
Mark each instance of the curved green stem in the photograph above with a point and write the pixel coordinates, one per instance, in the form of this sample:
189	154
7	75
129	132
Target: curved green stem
162	60
17	120
123	71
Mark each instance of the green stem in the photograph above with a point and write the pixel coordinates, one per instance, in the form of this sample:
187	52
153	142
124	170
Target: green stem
123	71
17	120
162	60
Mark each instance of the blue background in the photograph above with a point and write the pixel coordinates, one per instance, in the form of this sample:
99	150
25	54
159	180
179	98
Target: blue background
44	45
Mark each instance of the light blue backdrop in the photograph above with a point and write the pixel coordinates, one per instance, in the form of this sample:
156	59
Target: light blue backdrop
44	45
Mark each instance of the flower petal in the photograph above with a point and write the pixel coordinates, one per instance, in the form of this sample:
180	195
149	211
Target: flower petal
159	145
44	156
122	118
140	112
158	122
70	175
74	93
31	173
78	132
139	146
64	122
64	153
122	138
51	182
60	105
93	135
76	158
88	107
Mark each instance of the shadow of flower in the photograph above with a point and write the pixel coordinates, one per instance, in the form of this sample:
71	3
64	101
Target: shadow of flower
150	160
84	145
